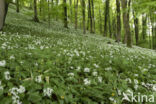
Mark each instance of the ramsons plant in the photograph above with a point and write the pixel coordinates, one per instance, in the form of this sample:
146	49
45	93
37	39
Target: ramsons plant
60	67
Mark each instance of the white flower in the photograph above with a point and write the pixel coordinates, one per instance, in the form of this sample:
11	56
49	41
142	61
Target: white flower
94	73
109	68
128	80
71	74
100	79
87	81
21	89
48	92
86	70
7	75
78	68
111	99
154	87
136	87
96	65
3	63
12	57
38	79
1	87
119	92
144	70
136	81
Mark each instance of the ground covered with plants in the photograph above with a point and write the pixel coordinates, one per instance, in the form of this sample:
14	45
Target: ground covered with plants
41	65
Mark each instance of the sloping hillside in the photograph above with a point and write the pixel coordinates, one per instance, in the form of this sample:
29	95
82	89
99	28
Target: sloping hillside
42	65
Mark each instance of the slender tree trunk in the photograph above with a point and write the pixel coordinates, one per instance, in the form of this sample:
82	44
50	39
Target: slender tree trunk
57	7
126	23
17	6
3	12
93	18
71	11
40	7
100	20
84	16
90	16
106	17
65	14
118	37
136	23
144	26
35	11
49	13
76	13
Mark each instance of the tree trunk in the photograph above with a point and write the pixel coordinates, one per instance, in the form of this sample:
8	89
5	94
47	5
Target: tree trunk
90	16
144	26
3	12
76	12
126	22
136	23
35	11
84	16
106	17
17	6
93	18
118	37
100	20
71	11
65	14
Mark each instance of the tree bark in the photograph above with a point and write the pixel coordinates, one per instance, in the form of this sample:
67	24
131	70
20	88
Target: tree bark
76	12
93	18
106	17
3	12
17	6
65	14
144	26
126	23
84	16
136	23
35	11
118	37
100	20
90	16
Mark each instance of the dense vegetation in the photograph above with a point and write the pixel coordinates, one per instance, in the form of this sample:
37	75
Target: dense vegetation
46	61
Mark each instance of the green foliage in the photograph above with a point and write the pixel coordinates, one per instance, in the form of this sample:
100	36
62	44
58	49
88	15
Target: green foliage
60	66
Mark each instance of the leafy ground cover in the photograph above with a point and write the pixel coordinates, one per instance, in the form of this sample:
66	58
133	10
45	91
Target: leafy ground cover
41	65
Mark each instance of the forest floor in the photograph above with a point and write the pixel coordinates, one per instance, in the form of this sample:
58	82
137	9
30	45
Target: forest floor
42	65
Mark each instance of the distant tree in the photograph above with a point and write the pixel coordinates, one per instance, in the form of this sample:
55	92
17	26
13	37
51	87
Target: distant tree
65	14
118	37
3	12
106	17
76	12
17	6
84	16
35	11
127	32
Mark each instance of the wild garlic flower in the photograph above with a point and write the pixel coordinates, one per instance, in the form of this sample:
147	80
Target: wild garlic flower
154	87
96	65
87	81
87	70
48	92
12	57
95	73
71	74
108	68
7	75
100	79
2	63
38	79
1	87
